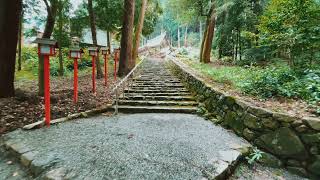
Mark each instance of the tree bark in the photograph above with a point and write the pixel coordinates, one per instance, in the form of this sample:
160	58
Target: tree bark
186	37
51	19
138	32
126	38
200	32
60	28
20	41
208	37
94	37
108	40
203	40
179	45
9	27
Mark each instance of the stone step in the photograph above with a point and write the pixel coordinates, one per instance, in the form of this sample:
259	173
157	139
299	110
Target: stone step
159	94
156	91
162	98
155	81
157	103
157	109
157	86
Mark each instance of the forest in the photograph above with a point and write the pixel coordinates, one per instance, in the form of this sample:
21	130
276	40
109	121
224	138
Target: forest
171	89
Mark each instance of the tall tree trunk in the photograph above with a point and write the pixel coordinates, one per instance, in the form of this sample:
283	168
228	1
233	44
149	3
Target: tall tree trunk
126	38
94	37
60	29
203	40
108	40
20	40
208	37
138	32
9	27
240	47
200	32
186	37
222	36
51	19
179	37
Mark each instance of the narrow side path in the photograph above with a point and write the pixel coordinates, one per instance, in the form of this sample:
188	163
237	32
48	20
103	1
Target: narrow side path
137	146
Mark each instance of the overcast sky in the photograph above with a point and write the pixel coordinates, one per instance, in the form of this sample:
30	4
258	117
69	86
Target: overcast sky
75	4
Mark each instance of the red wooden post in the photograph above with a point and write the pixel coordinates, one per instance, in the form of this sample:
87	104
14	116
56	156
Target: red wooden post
75	81
46	48
93	75
115	65
47	89
106	70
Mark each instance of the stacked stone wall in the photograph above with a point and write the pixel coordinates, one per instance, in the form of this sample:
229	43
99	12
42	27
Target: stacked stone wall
289	141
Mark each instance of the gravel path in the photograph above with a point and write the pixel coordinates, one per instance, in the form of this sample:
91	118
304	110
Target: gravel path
138	146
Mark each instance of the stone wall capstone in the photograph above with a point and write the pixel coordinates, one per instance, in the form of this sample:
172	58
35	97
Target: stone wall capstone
295	142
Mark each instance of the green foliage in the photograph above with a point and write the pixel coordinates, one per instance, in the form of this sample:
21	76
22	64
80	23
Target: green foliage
254	156
285	82
292	27
30	62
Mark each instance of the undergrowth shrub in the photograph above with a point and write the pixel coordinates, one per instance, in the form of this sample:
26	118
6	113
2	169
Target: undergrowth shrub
30	61
284	82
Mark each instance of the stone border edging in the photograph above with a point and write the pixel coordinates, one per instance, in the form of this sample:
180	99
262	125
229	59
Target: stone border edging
294	141
84	114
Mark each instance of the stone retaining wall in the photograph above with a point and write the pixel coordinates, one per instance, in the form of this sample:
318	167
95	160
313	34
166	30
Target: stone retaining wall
292	142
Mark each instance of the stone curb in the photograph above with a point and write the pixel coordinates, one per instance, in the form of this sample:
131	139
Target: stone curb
219	169
85	114
27	155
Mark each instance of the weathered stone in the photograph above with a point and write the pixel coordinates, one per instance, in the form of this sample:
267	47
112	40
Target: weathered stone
232	121
285	124
242	104
302	128
33	125
293	163
248	134
296	123
56	174
314	150
284	117
84	114
312	122
315	166
252	121
27	158
311	138
298	171
229	101
260	112
39	165
19	148
270	160
270	123
283	142
229	156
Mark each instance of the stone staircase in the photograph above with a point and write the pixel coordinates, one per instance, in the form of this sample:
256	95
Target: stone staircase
156	90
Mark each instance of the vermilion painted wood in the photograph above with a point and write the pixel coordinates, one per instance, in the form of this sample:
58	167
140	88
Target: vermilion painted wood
75	81
47	89
93	75
115	65
106	70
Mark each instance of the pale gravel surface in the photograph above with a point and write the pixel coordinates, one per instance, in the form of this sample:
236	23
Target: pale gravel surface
138	146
